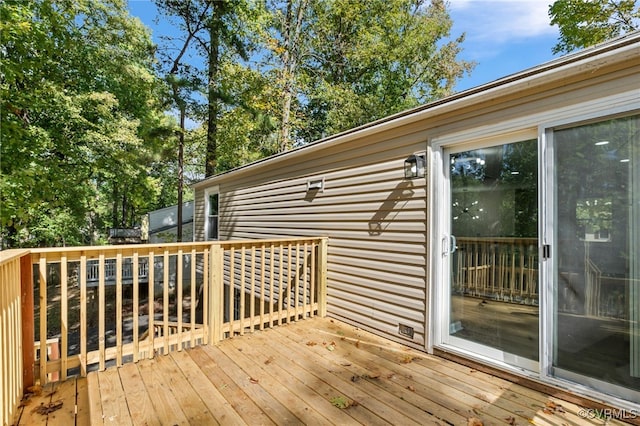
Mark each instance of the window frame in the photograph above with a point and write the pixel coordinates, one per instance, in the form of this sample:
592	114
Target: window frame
208	193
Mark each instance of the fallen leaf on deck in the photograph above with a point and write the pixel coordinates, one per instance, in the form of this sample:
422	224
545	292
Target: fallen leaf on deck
407	359
45	409
311	343
411	388
473	421
511	421
35	390
342	402
553	408
269	360
330	347
254	381
355	378
358	344
346	364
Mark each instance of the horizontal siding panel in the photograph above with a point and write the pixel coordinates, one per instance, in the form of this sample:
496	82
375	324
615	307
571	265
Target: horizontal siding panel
396	226
342	158
415	215
371	175
385	237
390	254
390	294
228	205
400	190
376	249
380	274
382	323
375	266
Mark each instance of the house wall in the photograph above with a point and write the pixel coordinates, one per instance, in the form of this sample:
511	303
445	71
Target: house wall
376	220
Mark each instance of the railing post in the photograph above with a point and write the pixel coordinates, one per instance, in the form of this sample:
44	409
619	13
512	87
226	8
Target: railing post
216	296
322	277
28	327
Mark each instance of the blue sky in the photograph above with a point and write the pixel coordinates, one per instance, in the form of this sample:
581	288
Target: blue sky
502	36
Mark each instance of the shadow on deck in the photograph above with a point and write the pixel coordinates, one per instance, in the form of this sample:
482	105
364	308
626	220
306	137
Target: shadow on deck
317	371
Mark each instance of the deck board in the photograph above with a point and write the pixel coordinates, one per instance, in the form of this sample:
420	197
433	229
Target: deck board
298	374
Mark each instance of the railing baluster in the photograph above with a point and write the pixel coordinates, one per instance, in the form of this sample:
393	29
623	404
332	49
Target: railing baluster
271	283
64	317
252	300
232	290
192	305
165	301
242	289
304	282
101	300
119	308
136	302
83	315
312	284
262	284
42	270
297	282
206	282
151	303
179	297
289	283
280	283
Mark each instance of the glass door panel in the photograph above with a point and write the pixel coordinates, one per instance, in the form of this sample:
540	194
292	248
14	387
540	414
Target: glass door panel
493	264
597	267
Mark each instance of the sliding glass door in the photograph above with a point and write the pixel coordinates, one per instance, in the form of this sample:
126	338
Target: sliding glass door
596	308
491	264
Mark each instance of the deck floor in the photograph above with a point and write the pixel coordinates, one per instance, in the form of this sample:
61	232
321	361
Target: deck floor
318	371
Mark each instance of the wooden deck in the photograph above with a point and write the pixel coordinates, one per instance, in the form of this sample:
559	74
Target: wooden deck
317	371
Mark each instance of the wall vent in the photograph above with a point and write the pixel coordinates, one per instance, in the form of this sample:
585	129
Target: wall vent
405	330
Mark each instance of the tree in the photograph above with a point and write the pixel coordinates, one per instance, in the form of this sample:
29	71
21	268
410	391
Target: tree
355	62
583	23
78	120
216	30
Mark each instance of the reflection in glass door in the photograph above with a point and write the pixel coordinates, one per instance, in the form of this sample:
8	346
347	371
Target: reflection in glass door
493	260
596	189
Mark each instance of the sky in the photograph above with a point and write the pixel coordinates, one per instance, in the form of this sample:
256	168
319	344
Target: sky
502	36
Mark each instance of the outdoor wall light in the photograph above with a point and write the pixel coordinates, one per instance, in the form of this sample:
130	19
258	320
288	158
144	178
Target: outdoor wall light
315	185
414	166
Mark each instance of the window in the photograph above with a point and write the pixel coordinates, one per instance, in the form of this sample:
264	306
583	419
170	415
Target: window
211	215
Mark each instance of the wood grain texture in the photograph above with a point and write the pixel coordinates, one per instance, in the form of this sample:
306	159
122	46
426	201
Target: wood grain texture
301	373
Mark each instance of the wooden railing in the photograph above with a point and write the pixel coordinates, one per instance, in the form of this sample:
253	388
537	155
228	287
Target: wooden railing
503	269
215	291
11	335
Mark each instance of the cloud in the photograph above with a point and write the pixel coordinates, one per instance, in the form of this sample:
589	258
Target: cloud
501	21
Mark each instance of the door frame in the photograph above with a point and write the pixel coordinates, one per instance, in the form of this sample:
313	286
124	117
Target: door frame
440	245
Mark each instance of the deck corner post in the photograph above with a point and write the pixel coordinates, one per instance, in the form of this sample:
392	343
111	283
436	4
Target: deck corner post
322	276
216	282
28	326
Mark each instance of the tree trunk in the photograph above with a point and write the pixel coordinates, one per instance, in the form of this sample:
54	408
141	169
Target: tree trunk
213	110
292	46
180	172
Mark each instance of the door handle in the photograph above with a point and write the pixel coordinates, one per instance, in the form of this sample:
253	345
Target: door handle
454	245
